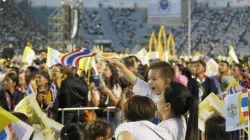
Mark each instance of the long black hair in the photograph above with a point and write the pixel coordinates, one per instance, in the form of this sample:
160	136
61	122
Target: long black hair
181	102
114	79
215	129
13	76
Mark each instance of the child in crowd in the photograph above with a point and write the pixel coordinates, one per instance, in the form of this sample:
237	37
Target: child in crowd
159	76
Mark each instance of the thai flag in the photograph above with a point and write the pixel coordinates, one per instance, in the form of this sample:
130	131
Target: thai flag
244	102
31	88
53	90
73	58
232	90
5	133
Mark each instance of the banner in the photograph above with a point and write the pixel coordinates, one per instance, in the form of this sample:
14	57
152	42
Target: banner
28	55
236	111
11	128
30	107
212	67
55	127
209	107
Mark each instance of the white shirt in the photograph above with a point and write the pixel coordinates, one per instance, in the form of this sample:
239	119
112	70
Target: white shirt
140	131
142	88
177	126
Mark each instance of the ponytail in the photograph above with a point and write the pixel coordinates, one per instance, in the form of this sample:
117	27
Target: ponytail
192	122
183	102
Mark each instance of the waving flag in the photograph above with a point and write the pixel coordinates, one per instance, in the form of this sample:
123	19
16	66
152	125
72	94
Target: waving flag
31	88
236	111
73	58
53	91
244	102
28	55
232	55
53	57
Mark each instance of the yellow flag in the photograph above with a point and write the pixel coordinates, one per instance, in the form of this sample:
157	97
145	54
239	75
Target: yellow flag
6	118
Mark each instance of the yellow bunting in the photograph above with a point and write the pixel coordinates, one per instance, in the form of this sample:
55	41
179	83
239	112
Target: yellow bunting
151	41
171	42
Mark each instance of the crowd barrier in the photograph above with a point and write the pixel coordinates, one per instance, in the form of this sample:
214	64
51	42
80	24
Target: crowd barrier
85	108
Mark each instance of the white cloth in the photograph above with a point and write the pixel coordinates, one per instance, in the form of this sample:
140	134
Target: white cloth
140	131
142	88
177	126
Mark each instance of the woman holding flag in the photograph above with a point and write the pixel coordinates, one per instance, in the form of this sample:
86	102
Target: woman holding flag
45	96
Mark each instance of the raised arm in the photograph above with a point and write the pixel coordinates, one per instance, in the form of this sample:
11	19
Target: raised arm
126	72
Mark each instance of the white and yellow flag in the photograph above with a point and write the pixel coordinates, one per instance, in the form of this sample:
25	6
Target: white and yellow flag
232	55
28	55
53	57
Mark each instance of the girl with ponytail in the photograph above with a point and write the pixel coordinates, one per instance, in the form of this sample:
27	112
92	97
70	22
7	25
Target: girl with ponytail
175	103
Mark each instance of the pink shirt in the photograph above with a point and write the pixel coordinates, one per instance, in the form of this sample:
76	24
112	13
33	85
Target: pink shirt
181	79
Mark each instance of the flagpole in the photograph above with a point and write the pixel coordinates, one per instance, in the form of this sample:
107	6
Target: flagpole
189	27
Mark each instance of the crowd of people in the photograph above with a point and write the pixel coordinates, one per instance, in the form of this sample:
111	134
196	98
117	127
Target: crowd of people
92	23
18	27
213	30
124	25
159	101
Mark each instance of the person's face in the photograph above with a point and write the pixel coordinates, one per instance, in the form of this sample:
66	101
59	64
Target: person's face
21	79
223	67
43	55
68	70
199	68
27	75
136	63
56	73
101	66
162	106
235	72
8	83
107	73
155	81
40	80
191	66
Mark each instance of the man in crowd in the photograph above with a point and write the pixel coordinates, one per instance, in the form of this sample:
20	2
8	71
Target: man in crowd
73	93
207	85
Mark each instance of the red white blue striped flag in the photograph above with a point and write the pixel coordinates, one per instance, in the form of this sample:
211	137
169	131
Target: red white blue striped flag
73	58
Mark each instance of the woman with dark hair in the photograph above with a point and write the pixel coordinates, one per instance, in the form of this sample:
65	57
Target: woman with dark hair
74	131
174	103
99	130
215	129
109	94
192	84
10	96
138	112
45	97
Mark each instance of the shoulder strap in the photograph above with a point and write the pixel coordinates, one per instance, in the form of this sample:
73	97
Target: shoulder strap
152	130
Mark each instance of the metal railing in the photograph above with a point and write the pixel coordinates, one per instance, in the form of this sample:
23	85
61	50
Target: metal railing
85	108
